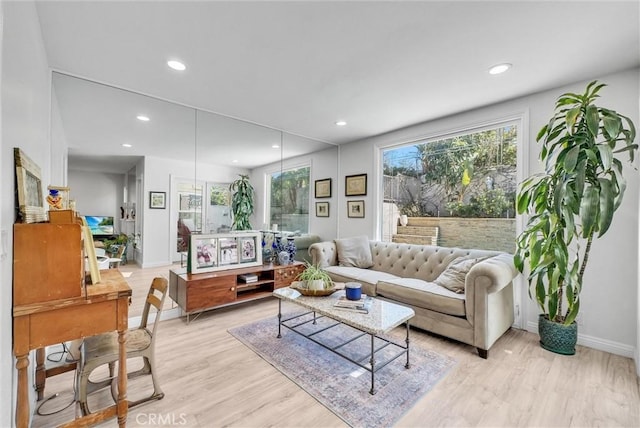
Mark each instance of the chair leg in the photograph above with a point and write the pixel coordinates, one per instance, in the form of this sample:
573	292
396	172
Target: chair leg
146	369
114	382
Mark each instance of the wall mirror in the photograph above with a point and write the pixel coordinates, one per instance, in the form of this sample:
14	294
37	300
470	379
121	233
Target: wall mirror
190	154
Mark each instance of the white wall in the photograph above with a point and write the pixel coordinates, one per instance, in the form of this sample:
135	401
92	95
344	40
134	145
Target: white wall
25	124
97	193
609	305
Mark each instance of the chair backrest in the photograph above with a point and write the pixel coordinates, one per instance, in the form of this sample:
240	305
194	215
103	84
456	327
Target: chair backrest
155	298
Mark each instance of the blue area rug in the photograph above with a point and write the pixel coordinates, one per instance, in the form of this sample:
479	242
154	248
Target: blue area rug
340	385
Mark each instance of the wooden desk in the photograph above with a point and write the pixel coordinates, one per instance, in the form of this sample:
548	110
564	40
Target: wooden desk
36	325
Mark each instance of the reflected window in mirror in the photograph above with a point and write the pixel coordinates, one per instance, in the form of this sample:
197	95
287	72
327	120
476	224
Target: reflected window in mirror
218	212
289	199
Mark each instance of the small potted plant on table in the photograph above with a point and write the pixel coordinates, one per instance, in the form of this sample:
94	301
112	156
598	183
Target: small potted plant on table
316	281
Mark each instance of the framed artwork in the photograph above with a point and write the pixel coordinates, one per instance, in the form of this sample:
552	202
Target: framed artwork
228	251
355	209
29	183
355	185
248	249
206	252
322	209
158	200
219	251
323	188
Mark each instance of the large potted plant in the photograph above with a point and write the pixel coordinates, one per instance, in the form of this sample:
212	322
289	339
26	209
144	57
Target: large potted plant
242	202
570	204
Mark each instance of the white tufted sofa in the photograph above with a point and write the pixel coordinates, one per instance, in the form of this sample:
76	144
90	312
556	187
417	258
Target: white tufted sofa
404	273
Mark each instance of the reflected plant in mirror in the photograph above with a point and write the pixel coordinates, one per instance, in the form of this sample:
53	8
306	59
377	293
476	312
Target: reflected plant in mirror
242	202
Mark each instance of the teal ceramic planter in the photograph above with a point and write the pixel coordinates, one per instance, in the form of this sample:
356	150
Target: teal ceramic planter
556	337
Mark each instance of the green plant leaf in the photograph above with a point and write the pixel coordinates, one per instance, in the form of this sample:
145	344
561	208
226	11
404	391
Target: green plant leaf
589	209
606	206
593	120
541	133
606	155
573	310
571	117
612	125
571	158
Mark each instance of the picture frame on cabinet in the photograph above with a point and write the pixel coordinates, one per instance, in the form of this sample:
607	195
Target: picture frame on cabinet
217	251
29	188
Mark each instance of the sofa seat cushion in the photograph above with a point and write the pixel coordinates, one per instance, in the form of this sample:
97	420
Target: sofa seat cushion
422	294
367	277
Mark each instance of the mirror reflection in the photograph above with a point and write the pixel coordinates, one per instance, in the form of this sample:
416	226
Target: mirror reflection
122	145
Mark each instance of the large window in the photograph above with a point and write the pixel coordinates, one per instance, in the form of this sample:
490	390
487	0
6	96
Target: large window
289	199
457	191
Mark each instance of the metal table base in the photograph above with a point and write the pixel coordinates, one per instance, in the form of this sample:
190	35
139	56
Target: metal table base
372	367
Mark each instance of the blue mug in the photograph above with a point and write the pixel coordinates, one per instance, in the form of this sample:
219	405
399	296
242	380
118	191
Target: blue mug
353	290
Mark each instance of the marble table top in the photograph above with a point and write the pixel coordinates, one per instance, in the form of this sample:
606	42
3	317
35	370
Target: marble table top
382	317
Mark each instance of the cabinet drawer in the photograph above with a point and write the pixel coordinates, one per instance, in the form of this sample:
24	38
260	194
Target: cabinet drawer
207	294
286	274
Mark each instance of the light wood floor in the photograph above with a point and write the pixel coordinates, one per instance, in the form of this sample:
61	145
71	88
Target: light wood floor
212	380
139	280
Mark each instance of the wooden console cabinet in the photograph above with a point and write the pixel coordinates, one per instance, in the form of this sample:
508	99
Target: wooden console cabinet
199	292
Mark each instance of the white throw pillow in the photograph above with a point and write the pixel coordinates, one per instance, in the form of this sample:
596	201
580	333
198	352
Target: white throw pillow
354	252
453	278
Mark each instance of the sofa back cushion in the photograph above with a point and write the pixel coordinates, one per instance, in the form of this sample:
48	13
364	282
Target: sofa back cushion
424	262
354	252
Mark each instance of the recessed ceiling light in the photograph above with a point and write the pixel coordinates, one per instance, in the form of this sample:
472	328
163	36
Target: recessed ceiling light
143	118
176	65
275	146
234	161
126	145
341	123
500	68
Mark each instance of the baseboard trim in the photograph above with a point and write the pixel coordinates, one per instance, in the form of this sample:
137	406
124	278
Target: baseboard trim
596	343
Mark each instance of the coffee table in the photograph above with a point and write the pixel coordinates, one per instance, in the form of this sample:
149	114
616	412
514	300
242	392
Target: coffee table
382	318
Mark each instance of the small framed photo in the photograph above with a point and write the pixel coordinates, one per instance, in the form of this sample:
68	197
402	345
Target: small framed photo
355	209
228	251
158	200
322	209
247	249
206	252
355	185
323	188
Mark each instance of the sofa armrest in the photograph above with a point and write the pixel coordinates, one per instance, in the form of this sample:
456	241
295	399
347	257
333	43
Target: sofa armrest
496	272
489	298
323	254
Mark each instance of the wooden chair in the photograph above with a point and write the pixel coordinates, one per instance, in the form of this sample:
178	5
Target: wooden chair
103	349
116	257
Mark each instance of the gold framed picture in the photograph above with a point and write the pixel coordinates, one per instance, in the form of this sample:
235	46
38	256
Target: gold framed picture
355	209
323	188
355	185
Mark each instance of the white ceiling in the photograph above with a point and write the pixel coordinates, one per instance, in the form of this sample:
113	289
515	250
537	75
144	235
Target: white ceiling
300	66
